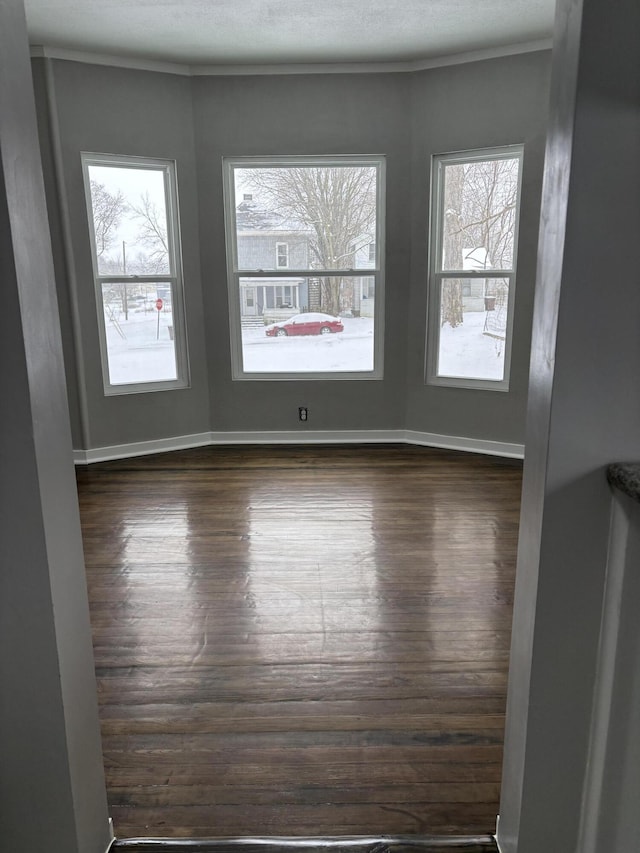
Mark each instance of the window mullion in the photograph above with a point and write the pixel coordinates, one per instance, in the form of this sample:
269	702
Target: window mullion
137	279
488	273
304	273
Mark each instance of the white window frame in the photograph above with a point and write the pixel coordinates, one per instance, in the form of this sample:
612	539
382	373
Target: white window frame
437	274
174	279
229	165
285	265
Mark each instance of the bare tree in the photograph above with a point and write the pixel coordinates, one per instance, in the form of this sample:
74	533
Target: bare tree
146	252
479	223
152	234
108	209
451	304
489	208
336	205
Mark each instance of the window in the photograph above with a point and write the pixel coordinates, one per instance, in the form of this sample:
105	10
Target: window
372	253
474	236
133	217
314	218
282	255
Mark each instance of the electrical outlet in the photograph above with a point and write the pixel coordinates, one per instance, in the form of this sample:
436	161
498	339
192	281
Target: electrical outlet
303	413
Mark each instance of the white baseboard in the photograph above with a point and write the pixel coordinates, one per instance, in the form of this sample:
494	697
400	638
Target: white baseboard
369	436
112	836
141	448
204	439
504	844
470	445
500	850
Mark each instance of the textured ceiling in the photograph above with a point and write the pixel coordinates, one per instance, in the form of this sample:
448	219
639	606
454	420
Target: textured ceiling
246	32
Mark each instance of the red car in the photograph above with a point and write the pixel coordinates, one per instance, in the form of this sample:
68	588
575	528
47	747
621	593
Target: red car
313	323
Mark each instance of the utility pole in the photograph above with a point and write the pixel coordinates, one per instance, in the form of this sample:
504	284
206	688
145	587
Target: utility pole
124	285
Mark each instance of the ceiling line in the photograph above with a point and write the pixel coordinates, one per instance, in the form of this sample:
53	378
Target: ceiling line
45	51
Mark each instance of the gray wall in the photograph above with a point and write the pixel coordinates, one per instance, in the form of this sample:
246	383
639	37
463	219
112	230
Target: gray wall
584	412
332	114
407	117
115	111
52	793
483	104
54	202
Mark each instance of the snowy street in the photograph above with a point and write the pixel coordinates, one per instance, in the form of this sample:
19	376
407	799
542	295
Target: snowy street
139	351
348	351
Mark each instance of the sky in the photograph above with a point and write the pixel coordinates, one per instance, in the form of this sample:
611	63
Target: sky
133	183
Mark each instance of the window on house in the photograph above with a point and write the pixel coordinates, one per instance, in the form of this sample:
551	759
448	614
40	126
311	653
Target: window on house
133	223
368	288
310	320
282	255
372	253
474	235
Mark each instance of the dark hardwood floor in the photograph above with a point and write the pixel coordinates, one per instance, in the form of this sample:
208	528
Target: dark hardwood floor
301	641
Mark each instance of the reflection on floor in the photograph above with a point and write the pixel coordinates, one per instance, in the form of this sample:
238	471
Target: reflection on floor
301	641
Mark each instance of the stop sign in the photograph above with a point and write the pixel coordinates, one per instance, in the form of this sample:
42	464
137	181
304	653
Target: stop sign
159	304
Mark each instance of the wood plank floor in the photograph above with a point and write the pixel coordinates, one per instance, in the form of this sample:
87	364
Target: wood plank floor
301	641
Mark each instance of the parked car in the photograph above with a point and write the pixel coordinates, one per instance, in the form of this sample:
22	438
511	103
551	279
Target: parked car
312	323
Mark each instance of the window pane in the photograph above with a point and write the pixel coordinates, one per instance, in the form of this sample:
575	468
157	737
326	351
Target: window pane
139	335
479	214
286	330
473	328
325	214
129	212
282	251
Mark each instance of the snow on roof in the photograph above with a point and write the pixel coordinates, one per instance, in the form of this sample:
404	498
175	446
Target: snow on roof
251	217
475	259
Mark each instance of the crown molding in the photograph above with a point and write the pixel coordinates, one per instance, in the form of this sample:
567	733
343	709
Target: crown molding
481	55
47	52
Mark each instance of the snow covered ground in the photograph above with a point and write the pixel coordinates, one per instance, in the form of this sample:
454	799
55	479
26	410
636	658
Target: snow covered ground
351	350
137	353
466	352
138	350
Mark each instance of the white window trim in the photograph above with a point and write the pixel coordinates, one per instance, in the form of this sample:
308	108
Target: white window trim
437	274
235	274
284	266
174	279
